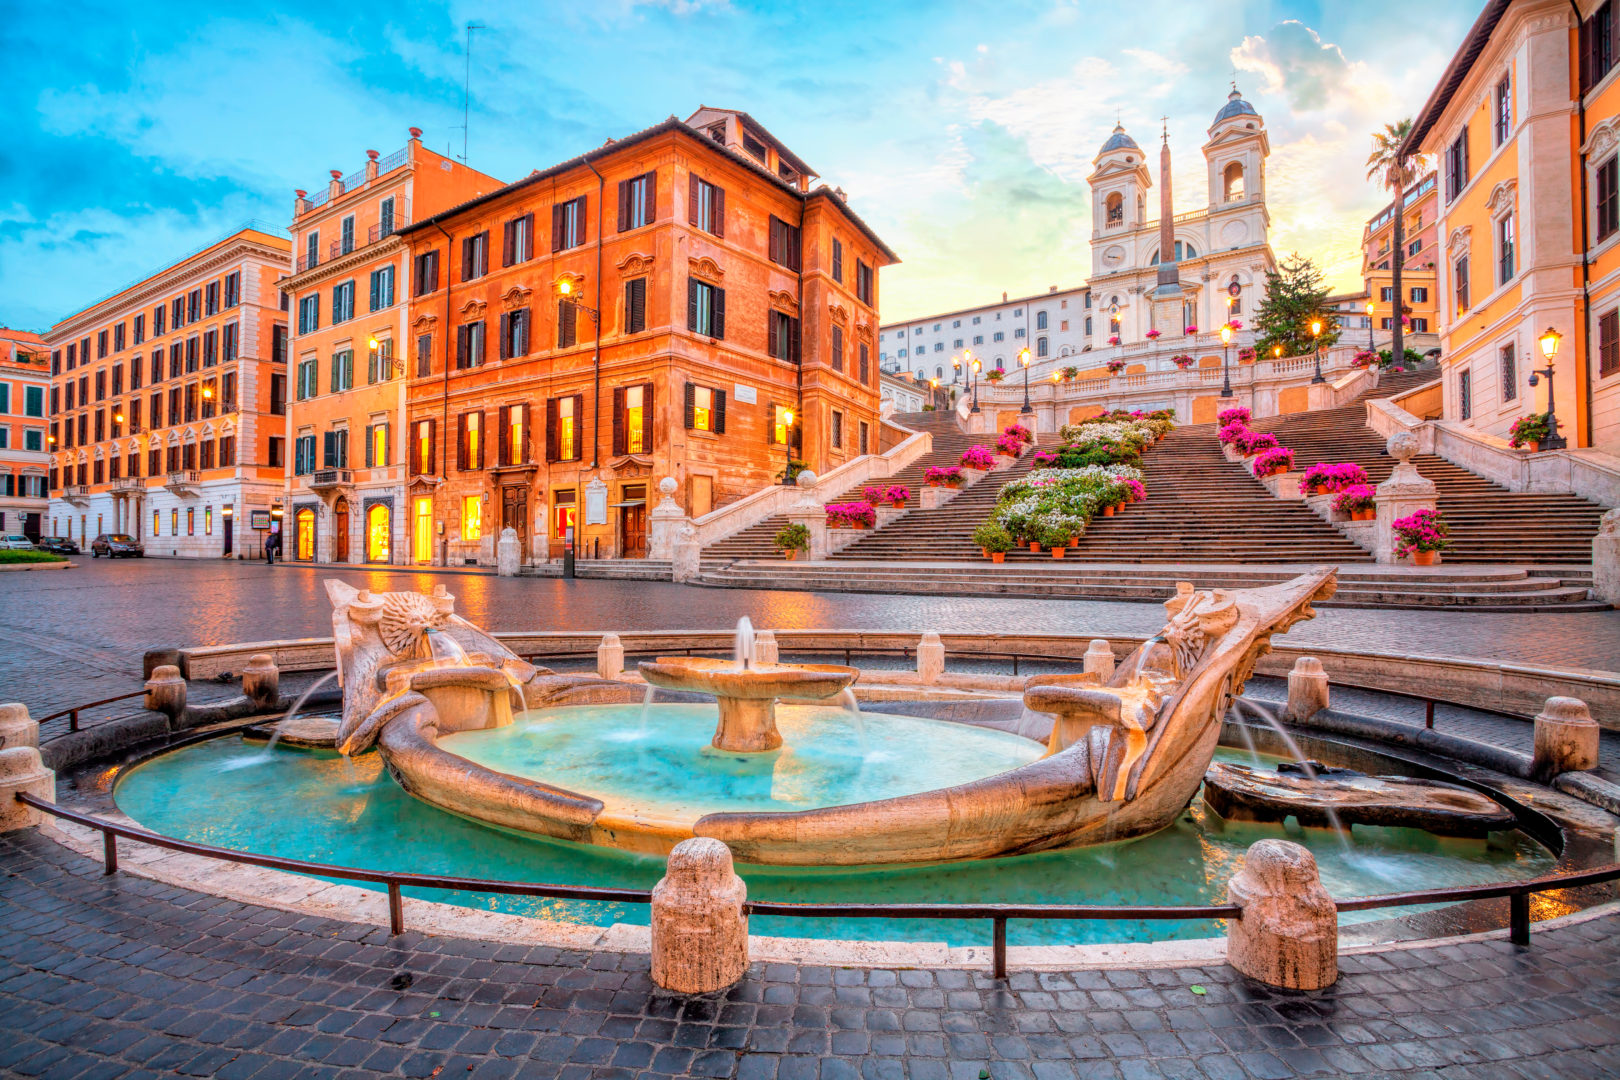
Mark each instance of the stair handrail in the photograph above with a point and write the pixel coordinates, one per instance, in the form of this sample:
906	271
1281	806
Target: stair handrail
1583	471
750	510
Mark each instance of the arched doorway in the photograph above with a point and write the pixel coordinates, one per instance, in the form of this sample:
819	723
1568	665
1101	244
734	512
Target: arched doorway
340	530
304	535
379	534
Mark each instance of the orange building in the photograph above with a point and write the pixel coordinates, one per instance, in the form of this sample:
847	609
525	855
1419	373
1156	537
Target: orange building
345	483
24	458
1418	271
681	302
1525	123
166	404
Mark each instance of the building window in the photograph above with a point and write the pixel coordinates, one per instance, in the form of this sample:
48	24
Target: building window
469	345
1457	165
865	354
705	409
475	256
1504	250
472	517
784	243
422	448
1386	293
1596	44
278	397
1420	326
637	201
385	217
863	282
978	339
1608	199
1088	326
514	333
1609	342
1041	347
211	298
342	302
309	313
635	305
782	336
706	206
563	442
838	348
568	224
233	290
837	430
193	305
424	355
1040	320
382	288
564	508
632	419
307	374
838	260
380	361
1510	378
997	336
1414	247
470	442
1460	285
705	309
567	324
342	370
303	455
1465	395
1420	294
517	240
346	234
514	434
425	273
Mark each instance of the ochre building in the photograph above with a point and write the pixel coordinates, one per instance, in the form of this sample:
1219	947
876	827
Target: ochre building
24	457
683	302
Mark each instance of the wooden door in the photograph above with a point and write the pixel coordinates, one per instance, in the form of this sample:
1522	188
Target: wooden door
633	531
340	526
515	515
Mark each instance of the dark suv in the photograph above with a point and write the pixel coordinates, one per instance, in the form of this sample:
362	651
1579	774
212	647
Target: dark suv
61	545
113	545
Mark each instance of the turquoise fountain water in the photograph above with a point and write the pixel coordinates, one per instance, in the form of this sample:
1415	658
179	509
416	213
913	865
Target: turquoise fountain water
324	808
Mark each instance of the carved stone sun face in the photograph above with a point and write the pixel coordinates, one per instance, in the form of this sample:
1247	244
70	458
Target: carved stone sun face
405	621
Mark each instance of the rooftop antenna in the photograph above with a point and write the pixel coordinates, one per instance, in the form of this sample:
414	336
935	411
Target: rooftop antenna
466	87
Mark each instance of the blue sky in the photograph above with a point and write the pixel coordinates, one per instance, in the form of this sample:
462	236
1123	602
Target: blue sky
962	132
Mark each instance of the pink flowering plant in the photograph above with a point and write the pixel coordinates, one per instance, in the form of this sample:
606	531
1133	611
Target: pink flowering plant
1045	459
1113	339
1011	445
1234	429
1183	361
1423	531
1137	490
996	375
1019	431
896	493
1333	477
1235	415
949	475
1250	443
1276	459
872	494
1364	359
1115	367
1151	334
851	515
1355	498
978	457
1528	429
1190	330
1235	324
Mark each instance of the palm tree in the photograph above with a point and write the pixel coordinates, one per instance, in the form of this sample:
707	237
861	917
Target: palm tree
1386	163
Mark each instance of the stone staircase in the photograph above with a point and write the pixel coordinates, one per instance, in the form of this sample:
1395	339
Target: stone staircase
757	541
1489	523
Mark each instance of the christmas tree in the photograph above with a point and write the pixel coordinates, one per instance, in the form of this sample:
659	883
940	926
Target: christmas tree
1295	297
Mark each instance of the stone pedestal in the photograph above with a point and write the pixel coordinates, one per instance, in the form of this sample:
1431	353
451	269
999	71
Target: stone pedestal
699	930
1099	658
1566	739
930	658
765	649
809	512
932	498
1307	690
166	692
664	522
1606	559
1402	495
508	553
1288	936
1285	485
610	657
261	681
17	728
22	771
687	561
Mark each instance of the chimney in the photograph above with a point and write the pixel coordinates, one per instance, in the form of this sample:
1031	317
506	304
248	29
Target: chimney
410	147
300	203
1051	288
335	187
1004	296
371	164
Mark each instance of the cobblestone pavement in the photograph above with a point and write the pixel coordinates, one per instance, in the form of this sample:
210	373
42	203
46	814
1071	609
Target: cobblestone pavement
78	635
109	977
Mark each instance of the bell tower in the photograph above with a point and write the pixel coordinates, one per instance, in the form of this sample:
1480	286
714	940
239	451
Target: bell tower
1236	154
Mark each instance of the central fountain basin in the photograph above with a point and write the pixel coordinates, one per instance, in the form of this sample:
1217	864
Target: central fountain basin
746	693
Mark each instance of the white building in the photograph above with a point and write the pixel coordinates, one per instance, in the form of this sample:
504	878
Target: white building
1056	323
900	393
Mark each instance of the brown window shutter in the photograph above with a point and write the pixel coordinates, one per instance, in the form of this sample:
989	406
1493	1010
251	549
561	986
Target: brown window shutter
551	429
579	216
719	412
773	320
691	405
506	328
618	421
523	445
719	313
720	212
692	183
483	440
461	443
506	243
433	448
649	198
770	422
504	455
624	205
773	243
579	428
793	340
556	228
646	417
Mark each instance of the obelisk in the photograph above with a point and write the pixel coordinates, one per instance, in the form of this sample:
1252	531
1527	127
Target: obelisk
1167	297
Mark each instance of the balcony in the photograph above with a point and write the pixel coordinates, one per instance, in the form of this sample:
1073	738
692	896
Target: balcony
128	485
77	494
328	479
184	482
305	262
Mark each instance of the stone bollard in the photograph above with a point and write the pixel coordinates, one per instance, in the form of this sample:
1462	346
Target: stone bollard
22	770
156	658
765	647
610	657
699	929
1307	690
166	692
1099	658
1566	739
1288	936
930	658
508	553
261	681
17	728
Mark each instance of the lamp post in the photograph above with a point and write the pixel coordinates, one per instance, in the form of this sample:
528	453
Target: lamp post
1023	358
1549	349
1370	343
787	441
1226	351
568	293
976	365
1316	340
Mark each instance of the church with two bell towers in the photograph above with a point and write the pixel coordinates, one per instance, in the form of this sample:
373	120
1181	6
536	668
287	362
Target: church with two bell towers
1194	269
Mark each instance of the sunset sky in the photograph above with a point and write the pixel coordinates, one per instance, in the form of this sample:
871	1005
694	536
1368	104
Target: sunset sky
962	133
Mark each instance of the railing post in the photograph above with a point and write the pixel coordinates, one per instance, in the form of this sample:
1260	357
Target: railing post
999	948
109	852
73	720
1519	918
396	910
1428	713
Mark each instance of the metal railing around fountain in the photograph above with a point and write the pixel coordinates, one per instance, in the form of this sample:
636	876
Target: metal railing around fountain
1517	892
73	713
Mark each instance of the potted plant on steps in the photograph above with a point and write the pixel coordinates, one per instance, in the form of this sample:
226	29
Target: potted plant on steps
792	539
1358	501
896	495
993	540
1528	432
978	457
1276	459
1422	536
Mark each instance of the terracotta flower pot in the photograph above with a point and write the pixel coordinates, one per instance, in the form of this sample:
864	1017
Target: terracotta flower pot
1074	541
1533	447
1424	558
898	504
933	483
1057	552
791	553
1108	511
985	552
1035	546
998	556
1366	515
953	485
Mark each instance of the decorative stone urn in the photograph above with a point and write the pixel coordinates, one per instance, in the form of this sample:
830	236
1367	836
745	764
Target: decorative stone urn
1402	495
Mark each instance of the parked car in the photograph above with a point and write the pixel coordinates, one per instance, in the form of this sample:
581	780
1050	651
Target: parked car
113	545
16	542
61	545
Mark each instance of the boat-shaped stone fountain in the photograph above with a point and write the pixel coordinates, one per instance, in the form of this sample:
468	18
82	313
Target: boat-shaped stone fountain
1124	757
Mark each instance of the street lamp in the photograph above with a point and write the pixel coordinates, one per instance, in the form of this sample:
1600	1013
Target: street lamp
1023	358
1316	340
787	440
568	293
976	365
1370	343
1226	350
1549	349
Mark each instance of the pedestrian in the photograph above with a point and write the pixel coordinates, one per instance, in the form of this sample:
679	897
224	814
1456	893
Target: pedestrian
272	541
